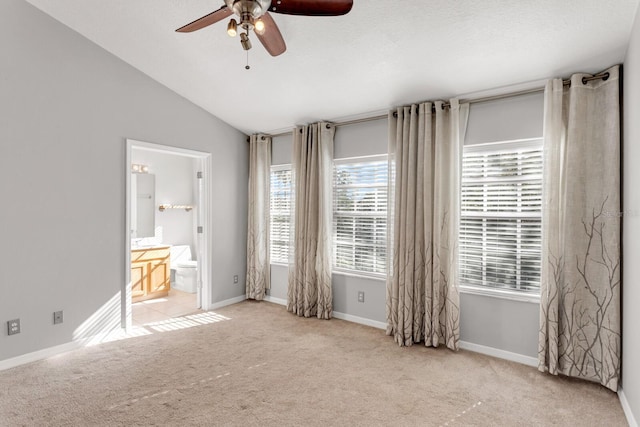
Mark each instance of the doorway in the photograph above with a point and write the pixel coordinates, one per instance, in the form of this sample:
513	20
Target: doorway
165	223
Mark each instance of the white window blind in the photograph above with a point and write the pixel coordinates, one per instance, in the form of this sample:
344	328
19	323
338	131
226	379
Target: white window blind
280	207
500	221
360	215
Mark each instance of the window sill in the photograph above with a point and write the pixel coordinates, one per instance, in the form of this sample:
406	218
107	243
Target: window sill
279	264
359	275
503	294
348	273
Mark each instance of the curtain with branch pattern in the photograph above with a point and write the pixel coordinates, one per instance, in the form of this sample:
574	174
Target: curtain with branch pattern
258	268
425	156
309	292
580	280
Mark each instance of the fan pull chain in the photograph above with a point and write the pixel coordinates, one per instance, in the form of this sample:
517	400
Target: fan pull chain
247	67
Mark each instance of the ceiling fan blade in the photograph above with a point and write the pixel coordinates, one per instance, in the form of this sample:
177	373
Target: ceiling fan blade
212	18
311	7
271	38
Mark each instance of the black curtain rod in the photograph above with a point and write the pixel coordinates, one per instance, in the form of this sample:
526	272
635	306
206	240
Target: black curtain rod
567	82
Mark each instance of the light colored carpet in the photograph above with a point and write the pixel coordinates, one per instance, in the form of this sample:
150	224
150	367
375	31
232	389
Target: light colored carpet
260	365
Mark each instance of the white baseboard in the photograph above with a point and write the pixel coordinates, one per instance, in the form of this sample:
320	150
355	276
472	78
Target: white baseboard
360	320
63	348
38	355
500	354
627	409
337	315
275	300
227	302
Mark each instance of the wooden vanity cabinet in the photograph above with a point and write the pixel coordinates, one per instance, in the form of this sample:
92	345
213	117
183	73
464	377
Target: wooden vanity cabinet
150	273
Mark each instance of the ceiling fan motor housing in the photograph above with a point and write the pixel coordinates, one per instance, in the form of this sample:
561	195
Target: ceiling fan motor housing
249	8
254	15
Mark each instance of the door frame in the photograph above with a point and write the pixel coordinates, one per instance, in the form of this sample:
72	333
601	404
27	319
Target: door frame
204	261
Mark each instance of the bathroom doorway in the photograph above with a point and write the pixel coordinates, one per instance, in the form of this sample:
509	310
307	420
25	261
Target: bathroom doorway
167	272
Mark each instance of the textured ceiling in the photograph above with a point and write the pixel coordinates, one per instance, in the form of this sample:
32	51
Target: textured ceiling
382	54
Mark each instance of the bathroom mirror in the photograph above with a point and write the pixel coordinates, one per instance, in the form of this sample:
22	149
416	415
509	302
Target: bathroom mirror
143	186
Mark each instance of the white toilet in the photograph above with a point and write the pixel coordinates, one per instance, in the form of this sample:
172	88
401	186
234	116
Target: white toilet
186	270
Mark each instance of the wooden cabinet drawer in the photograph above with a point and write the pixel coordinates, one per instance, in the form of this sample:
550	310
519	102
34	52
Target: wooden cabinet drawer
139	255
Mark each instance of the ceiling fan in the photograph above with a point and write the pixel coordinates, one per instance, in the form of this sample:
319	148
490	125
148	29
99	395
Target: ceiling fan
255	15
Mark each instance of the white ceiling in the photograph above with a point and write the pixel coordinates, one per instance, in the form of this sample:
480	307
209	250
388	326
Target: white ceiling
382	54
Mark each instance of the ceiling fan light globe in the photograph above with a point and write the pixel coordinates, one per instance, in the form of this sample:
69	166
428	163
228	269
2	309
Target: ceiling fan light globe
259	27
232	28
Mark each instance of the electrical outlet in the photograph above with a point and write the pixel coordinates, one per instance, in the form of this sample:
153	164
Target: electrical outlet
57	317
360	296
13	326
235	279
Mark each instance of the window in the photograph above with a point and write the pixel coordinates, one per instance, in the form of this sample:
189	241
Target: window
280	208
360	215
500	221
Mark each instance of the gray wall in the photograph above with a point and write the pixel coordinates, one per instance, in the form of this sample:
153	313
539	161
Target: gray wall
499	323
66	108
489	321
362	139
631	225
175	179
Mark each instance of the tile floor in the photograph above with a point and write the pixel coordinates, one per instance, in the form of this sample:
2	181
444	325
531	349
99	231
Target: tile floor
176	304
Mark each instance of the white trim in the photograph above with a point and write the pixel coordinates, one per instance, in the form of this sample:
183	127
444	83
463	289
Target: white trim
360	320
48	352
279	263
38	355
508	145
204	266
227	302
381	277
627	409
337	315
276	256
366	162
477	348
499	293
126	312
361	159
274	300
282	167
500	354
161	148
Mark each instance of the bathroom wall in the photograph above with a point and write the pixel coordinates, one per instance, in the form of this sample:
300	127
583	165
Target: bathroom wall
66	109
175	182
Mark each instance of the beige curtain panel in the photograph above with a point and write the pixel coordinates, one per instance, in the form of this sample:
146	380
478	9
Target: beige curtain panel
309	292
425	155
580	281
258	268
